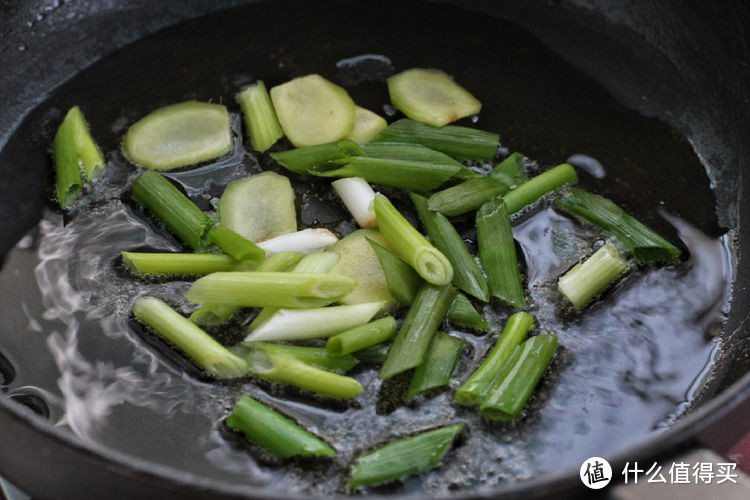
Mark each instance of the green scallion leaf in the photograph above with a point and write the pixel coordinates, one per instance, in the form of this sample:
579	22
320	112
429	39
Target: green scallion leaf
403	457
274	432
642	242
437	368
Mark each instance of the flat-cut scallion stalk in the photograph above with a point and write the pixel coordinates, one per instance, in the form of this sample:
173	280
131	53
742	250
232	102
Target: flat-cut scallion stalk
467	276
316	262
357	196
416	332
461	312
179	264
507	396
213	314
234	245
269	362
273	431
586	279
316	356
538	186
411	175
410	245
318	158
174	209
497	253
275	289
260	118
305	241
458	142
476	386
211	356
361	337
74	149
642	242
471	194
315	323
403	281
437	368
403	457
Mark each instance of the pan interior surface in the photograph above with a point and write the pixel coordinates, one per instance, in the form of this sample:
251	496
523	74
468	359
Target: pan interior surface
627	367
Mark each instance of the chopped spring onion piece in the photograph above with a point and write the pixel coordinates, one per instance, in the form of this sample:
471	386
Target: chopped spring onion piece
280	261
236	246
361	337
437	368
416	332
179	135
431	96
313	110
360	262
586	279
507	396
376	353
179	264
277	365
467	196
403	281
317	323
316	356
461	312
642	242
497	253
411	152
411	175
403	457
476	386
410	245
273	431
458	142
174	209
318	158
73	144
275	289
305	241
470	195
366	125
317	262
259	207
213	314
260	118
538	186
357	196
467	275
214	358
68	173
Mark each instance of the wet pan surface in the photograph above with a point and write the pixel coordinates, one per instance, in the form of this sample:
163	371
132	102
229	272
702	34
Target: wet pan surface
626	367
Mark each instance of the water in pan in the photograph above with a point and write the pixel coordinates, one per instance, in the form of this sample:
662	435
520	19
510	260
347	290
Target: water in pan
625	367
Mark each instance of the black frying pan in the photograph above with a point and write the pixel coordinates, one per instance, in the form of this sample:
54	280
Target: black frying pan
679	63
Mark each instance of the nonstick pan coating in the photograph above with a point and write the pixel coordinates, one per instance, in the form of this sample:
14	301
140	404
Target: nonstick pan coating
680	90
